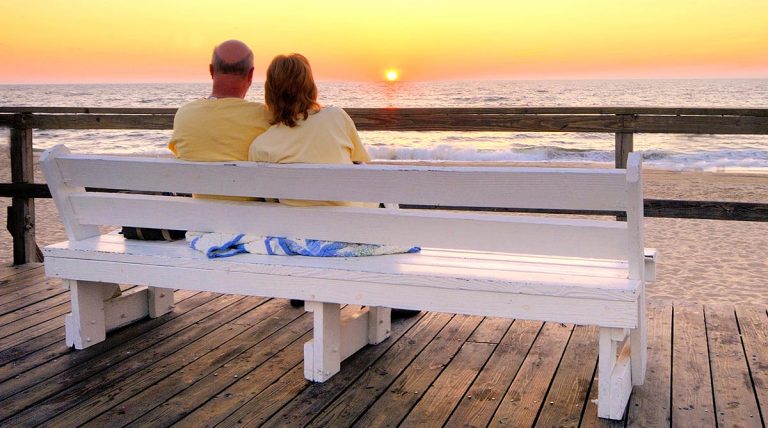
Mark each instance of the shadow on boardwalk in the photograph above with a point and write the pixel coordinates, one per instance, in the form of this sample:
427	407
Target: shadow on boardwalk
232	360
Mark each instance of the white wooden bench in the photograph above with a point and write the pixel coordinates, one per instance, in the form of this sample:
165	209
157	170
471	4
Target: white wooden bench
500	265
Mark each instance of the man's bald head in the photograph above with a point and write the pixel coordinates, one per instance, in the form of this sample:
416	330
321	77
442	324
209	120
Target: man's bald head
232	57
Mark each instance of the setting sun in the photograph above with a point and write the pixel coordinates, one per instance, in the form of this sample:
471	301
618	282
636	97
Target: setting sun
392	75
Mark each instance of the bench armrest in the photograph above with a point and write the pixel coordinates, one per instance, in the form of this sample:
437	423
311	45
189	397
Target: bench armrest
651	256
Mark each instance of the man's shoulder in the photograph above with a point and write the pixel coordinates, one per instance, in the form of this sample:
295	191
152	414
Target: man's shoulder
225	106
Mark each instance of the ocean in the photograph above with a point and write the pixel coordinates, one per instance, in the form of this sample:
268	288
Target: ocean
666	151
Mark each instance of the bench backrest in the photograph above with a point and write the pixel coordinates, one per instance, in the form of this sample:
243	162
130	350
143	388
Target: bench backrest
531	188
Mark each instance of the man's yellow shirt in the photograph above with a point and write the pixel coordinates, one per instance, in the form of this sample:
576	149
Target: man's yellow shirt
217	130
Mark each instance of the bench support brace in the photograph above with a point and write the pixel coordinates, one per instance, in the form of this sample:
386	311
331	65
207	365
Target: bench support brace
614	373
98	307
339	334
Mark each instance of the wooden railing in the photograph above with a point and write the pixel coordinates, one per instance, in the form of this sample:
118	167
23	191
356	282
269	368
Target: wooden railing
624	122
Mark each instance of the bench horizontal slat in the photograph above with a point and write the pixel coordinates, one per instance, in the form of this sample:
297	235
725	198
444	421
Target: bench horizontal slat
470	231
544	188
471	263
437	268
500	302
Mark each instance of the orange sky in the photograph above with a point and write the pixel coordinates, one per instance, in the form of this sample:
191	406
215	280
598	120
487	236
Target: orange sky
46	41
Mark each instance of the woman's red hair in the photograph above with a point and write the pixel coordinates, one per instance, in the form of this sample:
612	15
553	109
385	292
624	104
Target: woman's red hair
290	91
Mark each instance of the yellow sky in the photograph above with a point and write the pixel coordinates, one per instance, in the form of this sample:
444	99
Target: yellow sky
168	40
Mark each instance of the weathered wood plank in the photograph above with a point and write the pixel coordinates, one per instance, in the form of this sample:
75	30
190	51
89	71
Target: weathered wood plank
394	404
735	401
411	386
24	324
527	392
24	190
624	145
93	110
28	356
101	121
406	119
666	208
15	353
285	397
265	404
30	333
565	401
206	359
24	279
390	120
378	378
649	404
491	330
240	379
28	296
709	210
77	384
33	309
34	363
699	124
753	324
702	111
691	385
479	404
21	214
30	290
249	390
7	273
276	406
437	404
696	111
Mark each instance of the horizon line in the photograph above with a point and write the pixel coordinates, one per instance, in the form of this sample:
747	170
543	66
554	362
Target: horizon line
404	81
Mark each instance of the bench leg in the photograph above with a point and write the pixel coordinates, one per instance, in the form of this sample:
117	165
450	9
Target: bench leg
614	373
322	354
340	333
99	307
639	341
160	301
379	324
86	324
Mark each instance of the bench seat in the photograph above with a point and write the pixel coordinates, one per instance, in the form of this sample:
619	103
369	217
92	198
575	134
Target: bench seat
514	285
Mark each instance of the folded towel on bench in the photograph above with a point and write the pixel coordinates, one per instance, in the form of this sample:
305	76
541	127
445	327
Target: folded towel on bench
215	245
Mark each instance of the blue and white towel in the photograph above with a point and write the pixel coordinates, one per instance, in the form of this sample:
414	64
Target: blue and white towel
215	245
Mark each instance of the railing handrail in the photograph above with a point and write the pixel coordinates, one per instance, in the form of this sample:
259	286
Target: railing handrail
672	111
523	119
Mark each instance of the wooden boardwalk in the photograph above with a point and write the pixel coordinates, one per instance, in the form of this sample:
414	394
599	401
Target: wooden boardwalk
232	361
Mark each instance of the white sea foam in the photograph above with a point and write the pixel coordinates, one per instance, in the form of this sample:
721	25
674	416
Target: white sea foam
660	159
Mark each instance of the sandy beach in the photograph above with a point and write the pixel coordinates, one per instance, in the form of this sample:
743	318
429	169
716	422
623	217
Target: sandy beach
704	261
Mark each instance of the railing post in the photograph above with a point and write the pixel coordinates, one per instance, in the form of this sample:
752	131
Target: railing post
21	214
624	146
624	142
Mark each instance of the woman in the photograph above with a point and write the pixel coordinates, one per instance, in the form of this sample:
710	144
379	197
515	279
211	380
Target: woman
302	130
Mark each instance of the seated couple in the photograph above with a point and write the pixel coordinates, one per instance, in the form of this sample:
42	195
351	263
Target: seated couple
291	128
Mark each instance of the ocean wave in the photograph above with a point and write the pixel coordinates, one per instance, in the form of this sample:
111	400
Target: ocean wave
445	152
550	153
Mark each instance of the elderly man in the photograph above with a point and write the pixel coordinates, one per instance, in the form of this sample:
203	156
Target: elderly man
221	126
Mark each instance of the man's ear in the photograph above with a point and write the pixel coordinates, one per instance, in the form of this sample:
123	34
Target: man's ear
210	70
250	75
